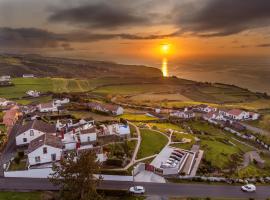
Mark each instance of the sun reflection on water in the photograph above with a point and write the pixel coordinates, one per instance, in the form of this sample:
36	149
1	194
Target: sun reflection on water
165	67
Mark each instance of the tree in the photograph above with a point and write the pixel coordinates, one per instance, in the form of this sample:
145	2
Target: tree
75	177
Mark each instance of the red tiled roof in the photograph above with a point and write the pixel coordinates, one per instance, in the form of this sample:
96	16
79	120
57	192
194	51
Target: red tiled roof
235	112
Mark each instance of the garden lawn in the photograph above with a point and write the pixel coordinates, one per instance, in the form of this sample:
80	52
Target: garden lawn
152	143
163	127
20	195
218	145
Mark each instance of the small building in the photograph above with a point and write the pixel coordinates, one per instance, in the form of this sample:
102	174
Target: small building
5	78
205	108
60	102
237	114
4	102
183	114
106	108
254	116
47	107
32	130
28	76
33	93
46	148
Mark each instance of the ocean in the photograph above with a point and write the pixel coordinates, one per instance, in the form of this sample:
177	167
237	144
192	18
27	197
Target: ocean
246	72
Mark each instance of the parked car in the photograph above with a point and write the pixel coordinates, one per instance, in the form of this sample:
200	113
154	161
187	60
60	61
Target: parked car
137	190
248	188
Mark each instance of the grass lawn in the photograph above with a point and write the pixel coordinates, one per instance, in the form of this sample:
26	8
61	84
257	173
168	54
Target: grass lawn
20	195
218	145
136	117
133	131
152	143
164	127
14	167
186	146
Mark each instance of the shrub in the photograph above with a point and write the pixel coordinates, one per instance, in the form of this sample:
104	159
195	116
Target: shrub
17	160
21	154
114	162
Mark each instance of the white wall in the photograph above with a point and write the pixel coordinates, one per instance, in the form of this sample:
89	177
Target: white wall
44	158
19	138
120	111
84	137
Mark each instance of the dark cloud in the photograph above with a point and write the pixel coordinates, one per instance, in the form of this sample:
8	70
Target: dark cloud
99	15
27	37
38	38
217	18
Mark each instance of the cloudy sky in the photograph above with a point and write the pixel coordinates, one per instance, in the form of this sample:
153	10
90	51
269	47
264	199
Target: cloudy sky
109	29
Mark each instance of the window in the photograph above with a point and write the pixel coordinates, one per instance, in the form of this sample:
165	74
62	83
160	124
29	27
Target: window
24	139
53	156
45	150
31	132
37	159
88	138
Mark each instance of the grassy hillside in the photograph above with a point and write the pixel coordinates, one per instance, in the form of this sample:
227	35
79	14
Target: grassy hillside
21	85
17	65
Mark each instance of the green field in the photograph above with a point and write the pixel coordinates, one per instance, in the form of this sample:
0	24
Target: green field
136	117
152	143
43	85
20	196
175	92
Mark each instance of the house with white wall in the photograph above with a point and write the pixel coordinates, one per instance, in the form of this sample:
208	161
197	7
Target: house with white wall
46	148
183	114
32	130
59	102
106	108
237	114
47	107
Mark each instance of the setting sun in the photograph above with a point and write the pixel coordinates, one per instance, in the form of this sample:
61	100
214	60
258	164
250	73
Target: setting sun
165	48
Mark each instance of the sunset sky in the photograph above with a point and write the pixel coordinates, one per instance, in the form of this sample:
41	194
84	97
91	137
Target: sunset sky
135	28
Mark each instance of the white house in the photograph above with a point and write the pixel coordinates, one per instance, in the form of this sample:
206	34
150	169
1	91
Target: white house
28	76
205	108
107	108
60	102
32	130
33	93
254	116
77	137
183	114
5	78
47	107
213	115
4	102
237	114
123	130
46	148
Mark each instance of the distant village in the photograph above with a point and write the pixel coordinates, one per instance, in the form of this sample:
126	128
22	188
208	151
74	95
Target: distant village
43	134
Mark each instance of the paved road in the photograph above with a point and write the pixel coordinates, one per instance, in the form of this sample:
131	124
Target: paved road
157	189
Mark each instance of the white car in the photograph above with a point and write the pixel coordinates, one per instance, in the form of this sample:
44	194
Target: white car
137	190
249	188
